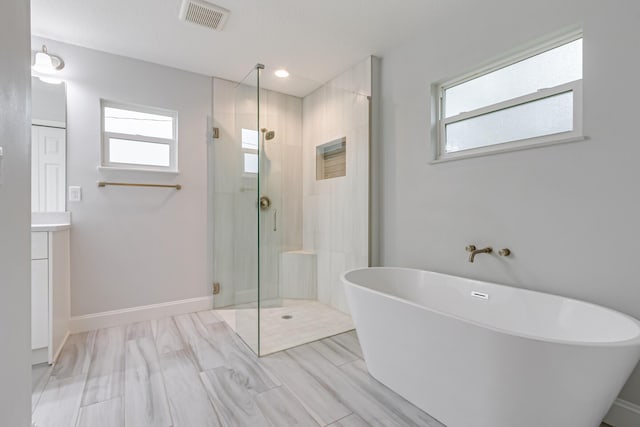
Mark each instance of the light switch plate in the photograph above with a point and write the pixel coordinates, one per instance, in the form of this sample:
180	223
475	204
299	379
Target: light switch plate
75	193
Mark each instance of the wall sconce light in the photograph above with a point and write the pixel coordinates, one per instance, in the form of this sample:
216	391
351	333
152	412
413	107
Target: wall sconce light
46	65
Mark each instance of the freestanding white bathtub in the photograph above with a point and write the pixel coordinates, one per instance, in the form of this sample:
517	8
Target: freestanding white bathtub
477	354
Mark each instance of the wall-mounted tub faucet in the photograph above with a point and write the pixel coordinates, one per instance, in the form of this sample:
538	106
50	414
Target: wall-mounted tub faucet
473	251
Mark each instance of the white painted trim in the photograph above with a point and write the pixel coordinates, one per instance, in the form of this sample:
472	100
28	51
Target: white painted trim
507	147
49	123
518	55
50	292
39	355
54	359
438	100
138	170
575	88
108	319
172	142
623	414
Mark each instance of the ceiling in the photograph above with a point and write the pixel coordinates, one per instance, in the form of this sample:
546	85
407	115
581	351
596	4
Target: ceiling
314	40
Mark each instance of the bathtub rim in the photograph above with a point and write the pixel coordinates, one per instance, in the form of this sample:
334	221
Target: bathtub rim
626	343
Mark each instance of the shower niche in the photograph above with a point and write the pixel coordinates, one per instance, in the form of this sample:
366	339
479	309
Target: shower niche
279	263
331	159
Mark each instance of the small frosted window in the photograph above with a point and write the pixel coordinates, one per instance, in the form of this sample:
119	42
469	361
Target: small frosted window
249	142
118	120
250	163
533	99
554	67
136	137
250	139
139	152
550	115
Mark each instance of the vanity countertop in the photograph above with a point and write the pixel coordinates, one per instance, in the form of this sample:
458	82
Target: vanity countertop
50	221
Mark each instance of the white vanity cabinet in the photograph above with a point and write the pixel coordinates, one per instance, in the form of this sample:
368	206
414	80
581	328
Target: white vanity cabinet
39	294
50	288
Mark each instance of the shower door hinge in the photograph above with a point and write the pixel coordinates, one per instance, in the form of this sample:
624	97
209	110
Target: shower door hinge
216	133
216	288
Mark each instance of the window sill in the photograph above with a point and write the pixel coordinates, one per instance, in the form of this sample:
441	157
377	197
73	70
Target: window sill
108	169
496	149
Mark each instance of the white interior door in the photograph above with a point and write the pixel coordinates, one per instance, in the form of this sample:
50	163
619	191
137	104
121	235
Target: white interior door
48	166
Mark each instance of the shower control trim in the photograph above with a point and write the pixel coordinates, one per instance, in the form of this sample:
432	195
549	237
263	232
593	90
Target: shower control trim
264	203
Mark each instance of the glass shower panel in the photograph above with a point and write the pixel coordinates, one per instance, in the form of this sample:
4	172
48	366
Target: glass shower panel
291	186
271	225
245	212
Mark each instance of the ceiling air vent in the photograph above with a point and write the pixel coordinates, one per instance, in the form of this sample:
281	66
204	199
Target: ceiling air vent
203	13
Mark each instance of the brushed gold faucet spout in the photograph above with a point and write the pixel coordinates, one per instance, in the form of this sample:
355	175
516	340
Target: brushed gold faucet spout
473	251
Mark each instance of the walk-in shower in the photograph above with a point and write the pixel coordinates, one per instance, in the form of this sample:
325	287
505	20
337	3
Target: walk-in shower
282	234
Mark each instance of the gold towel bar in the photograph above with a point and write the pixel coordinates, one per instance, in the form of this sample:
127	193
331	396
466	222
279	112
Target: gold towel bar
128	184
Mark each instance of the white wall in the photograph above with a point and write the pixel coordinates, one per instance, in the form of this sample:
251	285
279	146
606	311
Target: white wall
336	211
134	246
15	214
569	212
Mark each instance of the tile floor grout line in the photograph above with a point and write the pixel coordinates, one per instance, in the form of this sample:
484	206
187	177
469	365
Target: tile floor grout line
343	418
164	382
44	387
236	355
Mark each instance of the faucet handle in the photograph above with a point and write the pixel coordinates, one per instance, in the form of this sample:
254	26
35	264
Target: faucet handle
470	248
504	252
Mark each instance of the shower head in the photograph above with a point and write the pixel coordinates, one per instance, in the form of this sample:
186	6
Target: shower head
268	135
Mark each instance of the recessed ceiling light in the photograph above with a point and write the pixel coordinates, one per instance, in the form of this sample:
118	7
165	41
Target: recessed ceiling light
282	73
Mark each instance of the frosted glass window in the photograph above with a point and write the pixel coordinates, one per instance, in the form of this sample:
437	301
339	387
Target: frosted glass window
131	122
533	98
250	150
250	139
135	137
546	116
139	152
250	163
554	67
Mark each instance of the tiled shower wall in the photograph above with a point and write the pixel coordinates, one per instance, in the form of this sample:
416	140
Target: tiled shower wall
327	219
336	210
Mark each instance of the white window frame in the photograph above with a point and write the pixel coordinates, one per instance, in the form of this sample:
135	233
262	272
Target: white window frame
105	161
439	128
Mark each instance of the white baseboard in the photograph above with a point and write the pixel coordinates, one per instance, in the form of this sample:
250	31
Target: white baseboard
40	355
54	359
108	319
623	414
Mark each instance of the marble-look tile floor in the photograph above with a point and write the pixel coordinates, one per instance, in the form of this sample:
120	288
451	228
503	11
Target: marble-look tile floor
304	321
193	371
